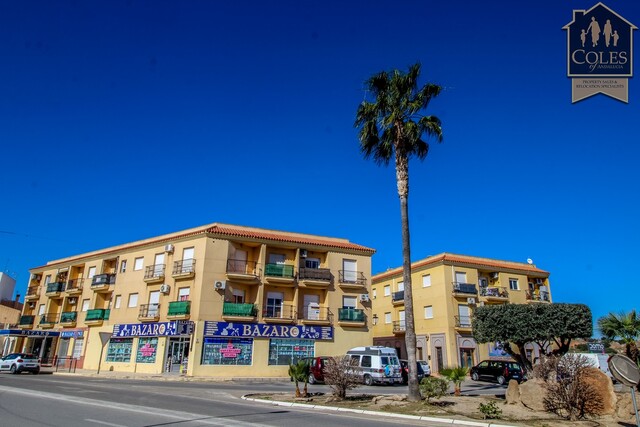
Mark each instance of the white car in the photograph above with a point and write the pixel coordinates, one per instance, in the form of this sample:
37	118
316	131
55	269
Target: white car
425	367
20	362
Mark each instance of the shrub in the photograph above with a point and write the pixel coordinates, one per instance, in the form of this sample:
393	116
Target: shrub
490	410
546	369
299	372
341	374
432	387
456	376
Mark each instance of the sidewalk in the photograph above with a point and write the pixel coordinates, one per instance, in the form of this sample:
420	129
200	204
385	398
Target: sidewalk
154	377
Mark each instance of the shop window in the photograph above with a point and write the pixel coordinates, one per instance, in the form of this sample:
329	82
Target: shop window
119	350
227	351
147	350
288	351
77	348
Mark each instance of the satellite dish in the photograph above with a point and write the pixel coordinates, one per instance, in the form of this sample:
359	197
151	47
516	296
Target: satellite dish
529	261
624	370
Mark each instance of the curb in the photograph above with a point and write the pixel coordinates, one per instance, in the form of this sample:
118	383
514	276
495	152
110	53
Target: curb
451	421
168	378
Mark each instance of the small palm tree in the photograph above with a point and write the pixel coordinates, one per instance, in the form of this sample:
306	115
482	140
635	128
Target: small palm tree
623	326
456	376
299	372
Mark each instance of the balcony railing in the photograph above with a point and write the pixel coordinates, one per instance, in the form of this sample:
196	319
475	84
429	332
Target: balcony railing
32	291
538	296
179	308
49	319
184	266
154	271
351	315
397	296
75	284
496	292
26	320
316	313
55	287
97	314
306	273
149	310
464	288
352	277
239	309
463	321
240	266
279	311
103	279
399	326
279	270
69	317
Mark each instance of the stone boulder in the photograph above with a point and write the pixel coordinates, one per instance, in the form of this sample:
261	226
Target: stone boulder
390	400
603	387
532	394
624	408
513	393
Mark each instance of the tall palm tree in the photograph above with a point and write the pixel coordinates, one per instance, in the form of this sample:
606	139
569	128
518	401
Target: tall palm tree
393	125
624	326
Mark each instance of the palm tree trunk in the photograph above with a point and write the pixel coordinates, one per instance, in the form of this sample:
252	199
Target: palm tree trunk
402	178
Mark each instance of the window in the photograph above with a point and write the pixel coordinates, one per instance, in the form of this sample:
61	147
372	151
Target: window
92	272
513	284
374	293
183	294
138	263
47	279
123	266
41	310
387	318
350	270
118	301
312	263
426	280
387	290
238	296
77	348
428	312
348	302
461	277
133	300
400	286
187	259
227	351
85	304
365	362
275	301
147	350
119	350
276	258
287	351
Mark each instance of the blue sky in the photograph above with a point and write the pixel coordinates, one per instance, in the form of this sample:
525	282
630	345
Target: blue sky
122	120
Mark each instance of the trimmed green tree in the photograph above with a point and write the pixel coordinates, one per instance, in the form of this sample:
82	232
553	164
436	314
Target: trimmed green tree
624	327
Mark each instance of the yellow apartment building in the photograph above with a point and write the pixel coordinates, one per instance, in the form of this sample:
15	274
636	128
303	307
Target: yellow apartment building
446	289
218	300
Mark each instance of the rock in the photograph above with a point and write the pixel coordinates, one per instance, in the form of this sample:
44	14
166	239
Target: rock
603	386
393	400
532	394
624	408
513	393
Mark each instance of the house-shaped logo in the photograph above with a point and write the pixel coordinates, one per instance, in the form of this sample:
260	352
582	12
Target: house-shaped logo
599	53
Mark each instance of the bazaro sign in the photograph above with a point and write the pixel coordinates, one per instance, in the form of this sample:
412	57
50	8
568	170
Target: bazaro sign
263	330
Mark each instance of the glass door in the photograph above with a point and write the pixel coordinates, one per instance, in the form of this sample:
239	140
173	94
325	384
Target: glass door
177	355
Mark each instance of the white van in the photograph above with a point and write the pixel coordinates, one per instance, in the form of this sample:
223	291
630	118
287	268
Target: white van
377	364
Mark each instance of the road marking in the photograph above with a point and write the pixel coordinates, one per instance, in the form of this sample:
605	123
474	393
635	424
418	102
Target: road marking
104	422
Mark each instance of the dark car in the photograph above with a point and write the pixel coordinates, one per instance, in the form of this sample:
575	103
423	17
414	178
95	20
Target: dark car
404	364
316	368
20	362
497	370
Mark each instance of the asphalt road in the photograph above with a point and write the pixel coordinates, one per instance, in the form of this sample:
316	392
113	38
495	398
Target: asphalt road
56	400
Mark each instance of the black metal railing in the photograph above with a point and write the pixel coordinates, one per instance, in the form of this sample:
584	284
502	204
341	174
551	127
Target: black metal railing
32	291
279	311
149	310
463	321
155	271
26	320
397	296
464	288
306	273
75	284
55	287
69	317
496	292
538	296
49	319
240	266
66	363
184	266
352	277
399	326
316	313
103	279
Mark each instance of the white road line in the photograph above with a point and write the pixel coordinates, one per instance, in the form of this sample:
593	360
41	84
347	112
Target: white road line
104	423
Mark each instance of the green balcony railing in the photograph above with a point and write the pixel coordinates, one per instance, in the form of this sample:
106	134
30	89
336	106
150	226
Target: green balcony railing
278	270
26	320
55	287
179	308
351	315
97	314
68	317
107	313
48	319
236	309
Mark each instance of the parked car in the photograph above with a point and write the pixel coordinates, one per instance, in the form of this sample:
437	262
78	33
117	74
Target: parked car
316	368
425	367
405	371
376	364
497	370
20	362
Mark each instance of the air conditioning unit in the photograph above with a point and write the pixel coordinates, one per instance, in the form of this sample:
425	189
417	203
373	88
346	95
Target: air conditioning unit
539	281
165	289
220	284
495	275
364	297
168	248
471	301
303	253
73	300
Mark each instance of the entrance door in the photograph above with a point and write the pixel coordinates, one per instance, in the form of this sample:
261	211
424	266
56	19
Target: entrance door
274	304
154	304
350	268
466	357
187	260
439	359
158	268
177	355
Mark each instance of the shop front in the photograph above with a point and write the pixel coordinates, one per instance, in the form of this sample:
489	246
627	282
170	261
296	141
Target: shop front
40	343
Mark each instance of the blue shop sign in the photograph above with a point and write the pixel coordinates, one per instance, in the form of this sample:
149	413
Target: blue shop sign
71	334
173	328
19	332
264	330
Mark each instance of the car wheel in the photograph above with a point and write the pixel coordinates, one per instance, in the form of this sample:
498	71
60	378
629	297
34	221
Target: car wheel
312	379
368	380
475	376
13	369
501	380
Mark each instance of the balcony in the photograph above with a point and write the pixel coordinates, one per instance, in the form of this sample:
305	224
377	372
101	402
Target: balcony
314	277
154	273
48	320
54	289
26	321
149	313
495	293
399	327
348	279
33	293
68	318
316	315
464	289
179	310
538	296
184	269
96	316
102	282
74	286
463	322
279	313
397	298
239	312
351	317
243	271
281	274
